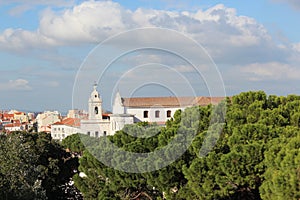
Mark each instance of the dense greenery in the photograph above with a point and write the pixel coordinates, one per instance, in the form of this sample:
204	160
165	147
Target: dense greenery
255	155
33	166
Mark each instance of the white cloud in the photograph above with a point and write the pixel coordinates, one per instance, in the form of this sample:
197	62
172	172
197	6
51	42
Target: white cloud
18	84
23	40
228	37
94	21
271	71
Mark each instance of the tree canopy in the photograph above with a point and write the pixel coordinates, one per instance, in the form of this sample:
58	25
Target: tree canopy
252	154
33	166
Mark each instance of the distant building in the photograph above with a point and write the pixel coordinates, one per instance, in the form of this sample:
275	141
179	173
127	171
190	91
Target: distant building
132	110
15	126
79	114
65	128
23	117
97	124
160	109
46	119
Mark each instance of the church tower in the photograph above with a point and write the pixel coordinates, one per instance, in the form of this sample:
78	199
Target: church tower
95	105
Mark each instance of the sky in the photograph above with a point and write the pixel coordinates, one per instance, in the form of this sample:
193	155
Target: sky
52	52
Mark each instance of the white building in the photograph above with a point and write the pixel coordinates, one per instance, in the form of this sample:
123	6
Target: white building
14	127
131	110
46	119
119	117
75	113
97	124
160	109
65	128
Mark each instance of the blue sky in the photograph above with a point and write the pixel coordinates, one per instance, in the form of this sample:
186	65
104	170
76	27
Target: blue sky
255	45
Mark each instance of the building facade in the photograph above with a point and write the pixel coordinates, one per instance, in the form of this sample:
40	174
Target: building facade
46	119
132	110
65	128
97	124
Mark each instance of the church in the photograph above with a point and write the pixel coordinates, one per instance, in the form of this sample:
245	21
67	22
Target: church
132	110
102	124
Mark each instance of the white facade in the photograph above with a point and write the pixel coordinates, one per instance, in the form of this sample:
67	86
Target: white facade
47	118
119	117
60	132
131	110
95	125
152	114
13	127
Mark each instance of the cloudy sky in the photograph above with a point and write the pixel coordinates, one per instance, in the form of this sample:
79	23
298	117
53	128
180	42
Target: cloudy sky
49	49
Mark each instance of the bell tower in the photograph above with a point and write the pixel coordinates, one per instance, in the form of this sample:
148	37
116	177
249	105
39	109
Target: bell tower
95	105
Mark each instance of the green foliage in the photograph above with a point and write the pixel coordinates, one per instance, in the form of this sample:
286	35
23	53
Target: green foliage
32	166
282	177
74	143
253	154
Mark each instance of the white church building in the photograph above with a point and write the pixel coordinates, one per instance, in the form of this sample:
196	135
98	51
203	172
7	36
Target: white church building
138	109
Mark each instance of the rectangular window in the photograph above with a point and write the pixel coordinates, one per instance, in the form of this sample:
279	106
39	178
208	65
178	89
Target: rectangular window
104	133
169	113
146	114
157	114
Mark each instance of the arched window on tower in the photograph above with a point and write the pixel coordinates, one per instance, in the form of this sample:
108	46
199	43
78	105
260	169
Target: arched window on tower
96	110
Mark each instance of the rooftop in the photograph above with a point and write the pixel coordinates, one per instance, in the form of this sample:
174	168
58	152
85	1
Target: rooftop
170	101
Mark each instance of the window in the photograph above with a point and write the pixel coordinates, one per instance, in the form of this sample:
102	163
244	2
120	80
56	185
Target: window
104	133
63	135
96	134
146	114
169	113
58	129
54	129
157	114
96	110
88	133
63	130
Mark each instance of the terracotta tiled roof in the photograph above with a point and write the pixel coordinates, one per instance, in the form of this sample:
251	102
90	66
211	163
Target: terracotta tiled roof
105	114
8	116
19	113
169	101
204	101
12	125
75	122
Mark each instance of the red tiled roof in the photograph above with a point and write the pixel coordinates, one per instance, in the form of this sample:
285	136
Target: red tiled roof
69	122
105	114
12	125
8	116
19	113
170	101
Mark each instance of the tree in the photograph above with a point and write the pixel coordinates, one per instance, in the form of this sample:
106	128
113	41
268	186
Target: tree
252	155
32	166
282	177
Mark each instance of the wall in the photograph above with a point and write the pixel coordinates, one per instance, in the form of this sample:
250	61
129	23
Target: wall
139	114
